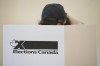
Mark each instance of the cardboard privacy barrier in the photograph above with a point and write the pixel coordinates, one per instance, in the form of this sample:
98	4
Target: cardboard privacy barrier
30	45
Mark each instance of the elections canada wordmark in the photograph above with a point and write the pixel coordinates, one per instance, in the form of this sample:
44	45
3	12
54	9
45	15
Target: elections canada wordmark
34	47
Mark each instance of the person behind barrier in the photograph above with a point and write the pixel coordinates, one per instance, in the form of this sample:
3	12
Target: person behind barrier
54	14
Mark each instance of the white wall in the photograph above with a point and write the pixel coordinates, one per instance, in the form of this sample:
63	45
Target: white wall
29	12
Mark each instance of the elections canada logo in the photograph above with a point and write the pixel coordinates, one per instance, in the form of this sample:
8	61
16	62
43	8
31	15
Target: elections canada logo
34	47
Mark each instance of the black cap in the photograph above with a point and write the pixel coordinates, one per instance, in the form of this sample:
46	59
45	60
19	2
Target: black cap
53	11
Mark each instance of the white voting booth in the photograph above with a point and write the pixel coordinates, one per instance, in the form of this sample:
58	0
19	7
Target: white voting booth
33	45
